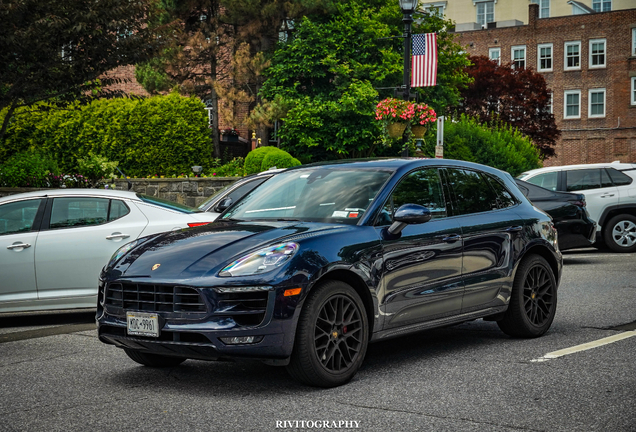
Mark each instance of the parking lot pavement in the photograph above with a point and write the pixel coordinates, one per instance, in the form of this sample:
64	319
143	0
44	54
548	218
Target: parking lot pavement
469	377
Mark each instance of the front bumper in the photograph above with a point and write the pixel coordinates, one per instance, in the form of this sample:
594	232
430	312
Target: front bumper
193	328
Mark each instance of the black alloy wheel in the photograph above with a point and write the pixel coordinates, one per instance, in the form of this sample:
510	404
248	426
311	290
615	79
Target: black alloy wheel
331	338
533	300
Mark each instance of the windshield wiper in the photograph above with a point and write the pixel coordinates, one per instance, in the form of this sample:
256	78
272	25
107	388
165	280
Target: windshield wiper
287	220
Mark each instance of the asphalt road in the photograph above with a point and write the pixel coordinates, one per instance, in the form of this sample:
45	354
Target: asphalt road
56	376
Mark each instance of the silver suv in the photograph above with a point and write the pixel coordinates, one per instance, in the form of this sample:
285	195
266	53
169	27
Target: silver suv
610	192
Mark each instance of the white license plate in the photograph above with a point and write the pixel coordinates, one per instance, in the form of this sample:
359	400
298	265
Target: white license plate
142	324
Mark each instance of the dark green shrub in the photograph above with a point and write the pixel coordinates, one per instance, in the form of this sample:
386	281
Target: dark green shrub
234	168
280	159
500	146
28	169
254	159
97	169
161	135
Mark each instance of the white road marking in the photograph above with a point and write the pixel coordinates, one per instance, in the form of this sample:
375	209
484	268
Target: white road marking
586	346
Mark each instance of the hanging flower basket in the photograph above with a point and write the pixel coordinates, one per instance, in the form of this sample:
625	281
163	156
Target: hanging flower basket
418	131
396	130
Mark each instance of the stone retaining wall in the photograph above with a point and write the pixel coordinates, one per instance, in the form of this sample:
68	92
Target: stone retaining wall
190	191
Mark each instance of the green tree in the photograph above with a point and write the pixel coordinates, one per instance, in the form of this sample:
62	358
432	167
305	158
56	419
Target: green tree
58	50
326	78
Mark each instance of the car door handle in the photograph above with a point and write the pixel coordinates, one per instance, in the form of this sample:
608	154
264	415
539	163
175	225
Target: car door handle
19	245
514	229
117	236
607	195
451	238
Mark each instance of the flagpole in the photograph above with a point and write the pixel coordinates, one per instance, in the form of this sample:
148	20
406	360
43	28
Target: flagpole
408	7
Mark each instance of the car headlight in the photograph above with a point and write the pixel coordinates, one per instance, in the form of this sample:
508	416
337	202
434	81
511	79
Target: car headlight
261	261
121	252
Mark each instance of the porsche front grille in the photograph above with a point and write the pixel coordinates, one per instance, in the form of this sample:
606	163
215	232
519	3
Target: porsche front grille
154	298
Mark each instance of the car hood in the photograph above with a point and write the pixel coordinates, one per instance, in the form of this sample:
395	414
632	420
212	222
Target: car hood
202	251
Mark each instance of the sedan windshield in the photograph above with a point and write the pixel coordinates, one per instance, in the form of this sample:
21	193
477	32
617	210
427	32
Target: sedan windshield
316	195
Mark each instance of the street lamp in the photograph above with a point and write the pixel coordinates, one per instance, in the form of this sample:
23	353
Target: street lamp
408	7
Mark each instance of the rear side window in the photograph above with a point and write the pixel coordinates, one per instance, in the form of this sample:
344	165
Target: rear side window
167	204
17	217
584	179
117	210
545	180
472	192
76	212
618	177
505	198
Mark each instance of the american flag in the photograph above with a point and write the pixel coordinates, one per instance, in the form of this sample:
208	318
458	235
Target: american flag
424	60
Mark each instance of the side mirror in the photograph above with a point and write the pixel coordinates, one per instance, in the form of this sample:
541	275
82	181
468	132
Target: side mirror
409	214
223	204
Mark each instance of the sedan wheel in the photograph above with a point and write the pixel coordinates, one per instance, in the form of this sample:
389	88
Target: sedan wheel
620	234
332	336
533	300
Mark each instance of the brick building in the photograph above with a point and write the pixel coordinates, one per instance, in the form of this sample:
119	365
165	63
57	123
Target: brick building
589	63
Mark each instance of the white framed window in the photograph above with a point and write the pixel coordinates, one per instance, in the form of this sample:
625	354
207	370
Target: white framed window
485	12
518	56
572	55
633	92
544	8
634	41
436	8
602	5
545	53
494	54
572	104
596	103
598	53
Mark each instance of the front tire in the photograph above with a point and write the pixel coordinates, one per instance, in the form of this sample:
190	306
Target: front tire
620	233
331	337
533	301
154	360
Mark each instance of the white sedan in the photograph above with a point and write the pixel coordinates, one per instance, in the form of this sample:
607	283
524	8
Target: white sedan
53	243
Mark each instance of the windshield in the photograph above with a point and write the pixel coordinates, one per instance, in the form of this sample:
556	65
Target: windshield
322	194
168	204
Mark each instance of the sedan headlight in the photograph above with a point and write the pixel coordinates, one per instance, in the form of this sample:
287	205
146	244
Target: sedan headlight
261	261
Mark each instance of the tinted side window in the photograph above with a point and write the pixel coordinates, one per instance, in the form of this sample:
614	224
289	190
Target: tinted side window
505	198
583	179
545	180
18	216
473	194
74	212
244	189
117	209
618	177
421	187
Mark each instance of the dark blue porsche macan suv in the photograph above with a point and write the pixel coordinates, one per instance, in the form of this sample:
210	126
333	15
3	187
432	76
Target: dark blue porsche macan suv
320	260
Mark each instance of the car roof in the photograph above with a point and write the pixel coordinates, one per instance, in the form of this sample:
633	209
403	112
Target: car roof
616	164
102	193
399	164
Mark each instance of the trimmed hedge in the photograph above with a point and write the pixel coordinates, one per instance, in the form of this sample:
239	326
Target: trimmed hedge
263	158
162	135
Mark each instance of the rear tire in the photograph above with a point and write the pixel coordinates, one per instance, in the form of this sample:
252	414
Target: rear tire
533	300
154	360
331	337
620	233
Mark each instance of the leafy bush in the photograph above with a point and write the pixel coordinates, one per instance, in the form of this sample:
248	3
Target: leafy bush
28	169
280	159
254	159
96	168
165	135
234	168
501	147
